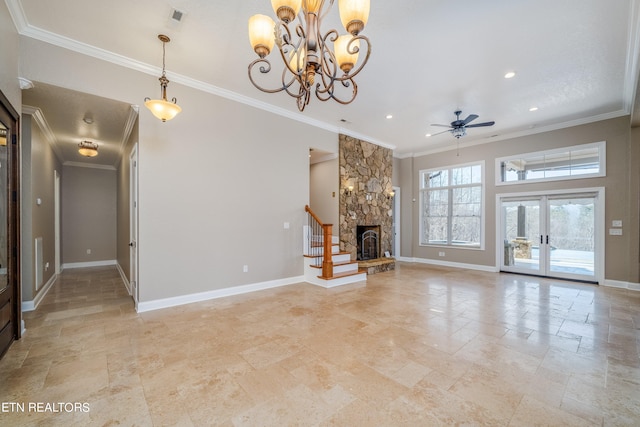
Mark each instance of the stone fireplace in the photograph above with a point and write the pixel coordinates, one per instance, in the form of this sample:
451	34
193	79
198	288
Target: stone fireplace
366	201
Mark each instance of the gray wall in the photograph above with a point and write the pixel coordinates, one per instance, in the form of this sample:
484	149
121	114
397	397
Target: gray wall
621	184
88	214
9	52
324	190
38	220
214	189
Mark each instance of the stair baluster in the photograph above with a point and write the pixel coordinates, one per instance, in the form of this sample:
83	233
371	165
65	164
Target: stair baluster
325	231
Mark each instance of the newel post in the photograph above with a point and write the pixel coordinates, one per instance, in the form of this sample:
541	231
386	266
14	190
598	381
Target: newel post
327	259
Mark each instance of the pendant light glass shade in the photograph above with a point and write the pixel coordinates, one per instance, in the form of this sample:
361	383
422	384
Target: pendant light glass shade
286	10
311	6
354	14
261	34
163	109
88	149
342	49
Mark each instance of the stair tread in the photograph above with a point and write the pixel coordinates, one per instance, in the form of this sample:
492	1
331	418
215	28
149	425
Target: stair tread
347	274
335	264
320	255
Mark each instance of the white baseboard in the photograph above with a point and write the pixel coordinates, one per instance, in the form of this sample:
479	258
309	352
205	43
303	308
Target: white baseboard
218	293
89	264
124	278
622	285
33	304
488	268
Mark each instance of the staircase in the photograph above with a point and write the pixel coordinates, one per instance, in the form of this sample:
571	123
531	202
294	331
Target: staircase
335	269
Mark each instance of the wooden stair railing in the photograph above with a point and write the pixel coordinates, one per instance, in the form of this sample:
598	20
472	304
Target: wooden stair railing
318	227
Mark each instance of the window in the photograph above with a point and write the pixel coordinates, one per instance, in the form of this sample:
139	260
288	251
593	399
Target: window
580	161
452	206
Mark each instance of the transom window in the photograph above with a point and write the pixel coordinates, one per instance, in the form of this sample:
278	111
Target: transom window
452	206
579	161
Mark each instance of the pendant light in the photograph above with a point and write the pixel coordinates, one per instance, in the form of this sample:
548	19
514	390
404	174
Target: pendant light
161	108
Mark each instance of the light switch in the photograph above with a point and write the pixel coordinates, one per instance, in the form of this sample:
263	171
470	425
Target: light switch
615	231
286	225
616	223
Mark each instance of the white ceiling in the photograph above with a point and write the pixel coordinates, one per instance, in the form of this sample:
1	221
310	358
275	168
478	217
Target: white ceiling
576	60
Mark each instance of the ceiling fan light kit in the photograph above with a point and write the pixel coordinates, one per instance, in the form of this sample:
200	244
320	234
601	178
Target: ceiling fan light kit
308	57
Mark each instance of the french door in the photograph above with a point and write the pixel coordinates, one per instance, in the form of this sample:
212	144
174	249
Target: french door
554	235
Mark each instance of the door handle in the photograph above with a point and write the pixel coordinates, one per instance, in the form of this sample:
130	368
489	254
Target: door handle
541	241
547	239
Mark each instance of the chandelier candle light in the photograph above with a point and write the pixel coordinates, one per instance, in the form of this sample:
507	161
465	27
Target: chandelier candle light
161	108
307	54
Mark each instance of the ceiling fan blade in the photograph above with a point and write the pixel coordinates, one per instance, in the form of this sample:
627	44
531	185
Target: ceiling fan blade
477	125
442	126
448	130
470	118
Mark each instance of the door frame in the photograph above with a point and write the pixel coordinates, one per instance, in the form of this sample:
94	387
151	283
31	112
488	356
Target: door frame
10	117
599	226
396	223
133	223
56	208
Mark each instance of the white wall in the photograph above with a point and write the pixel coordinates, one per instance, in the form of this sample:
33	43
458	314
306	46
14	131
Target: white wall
216	183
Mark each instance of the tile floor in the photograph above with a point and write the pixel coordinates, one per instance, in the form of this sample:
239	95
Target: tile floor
418	346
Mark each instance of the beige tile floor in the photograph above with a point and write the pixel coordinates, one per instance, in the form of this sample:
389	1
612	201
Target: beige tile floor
419	346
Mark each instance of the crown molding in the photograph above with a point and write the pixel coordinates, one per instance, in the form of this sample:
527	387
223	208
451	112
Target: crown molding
25	29
38	117
89	166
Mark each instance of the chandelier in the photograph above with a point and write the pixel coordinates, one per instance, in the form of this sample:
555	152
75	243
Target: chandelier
161	108
313	61
88	149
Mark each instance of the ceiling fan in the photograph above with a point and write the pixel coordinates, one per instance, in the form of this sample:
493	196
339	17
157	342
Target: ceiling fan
458	128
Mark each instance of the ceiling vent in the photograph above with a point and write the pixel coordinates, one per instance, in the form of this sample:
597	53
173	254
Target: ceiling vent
176	17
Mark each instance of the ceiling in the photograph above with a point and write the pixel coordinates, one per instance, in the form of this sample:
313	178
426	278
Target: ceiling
575	60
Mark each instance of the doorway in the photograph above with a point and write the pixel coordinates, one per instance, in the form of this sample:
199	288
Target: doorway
133	223
553	235
10	300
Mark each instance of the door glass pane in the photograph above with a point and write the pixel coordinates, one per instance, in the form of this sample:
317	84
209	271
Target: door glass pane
572	236
4	261
521	235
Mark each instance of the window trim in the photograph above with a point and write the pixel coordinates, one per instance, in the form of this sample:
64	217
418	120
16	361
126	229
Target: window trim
602	157
422	190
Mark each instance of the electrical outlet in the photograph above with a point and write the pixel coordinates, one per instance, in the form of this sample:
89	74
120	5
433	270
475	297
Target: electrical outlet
440	253
245	268
88	251
616	223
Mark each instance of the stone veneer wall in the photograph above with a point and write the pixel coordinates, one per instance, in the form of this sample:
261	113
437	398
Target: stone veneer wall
368	168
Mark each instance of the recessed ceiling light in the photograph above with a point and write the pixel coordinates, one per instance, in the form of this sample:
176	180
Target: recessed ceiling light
510	75
389	116
428	135
533	109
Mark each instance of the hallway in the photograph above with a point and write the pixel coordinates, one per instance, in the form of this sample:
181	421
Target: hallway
416	346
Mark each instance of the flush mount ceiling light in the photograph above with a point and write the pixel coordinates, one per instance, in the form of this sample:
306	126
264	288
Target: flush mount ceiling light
88	149
311	58
161	108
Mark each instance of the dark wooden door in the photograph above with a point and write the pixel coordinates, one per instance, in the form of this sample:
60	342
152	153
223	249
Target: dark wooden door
10	312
